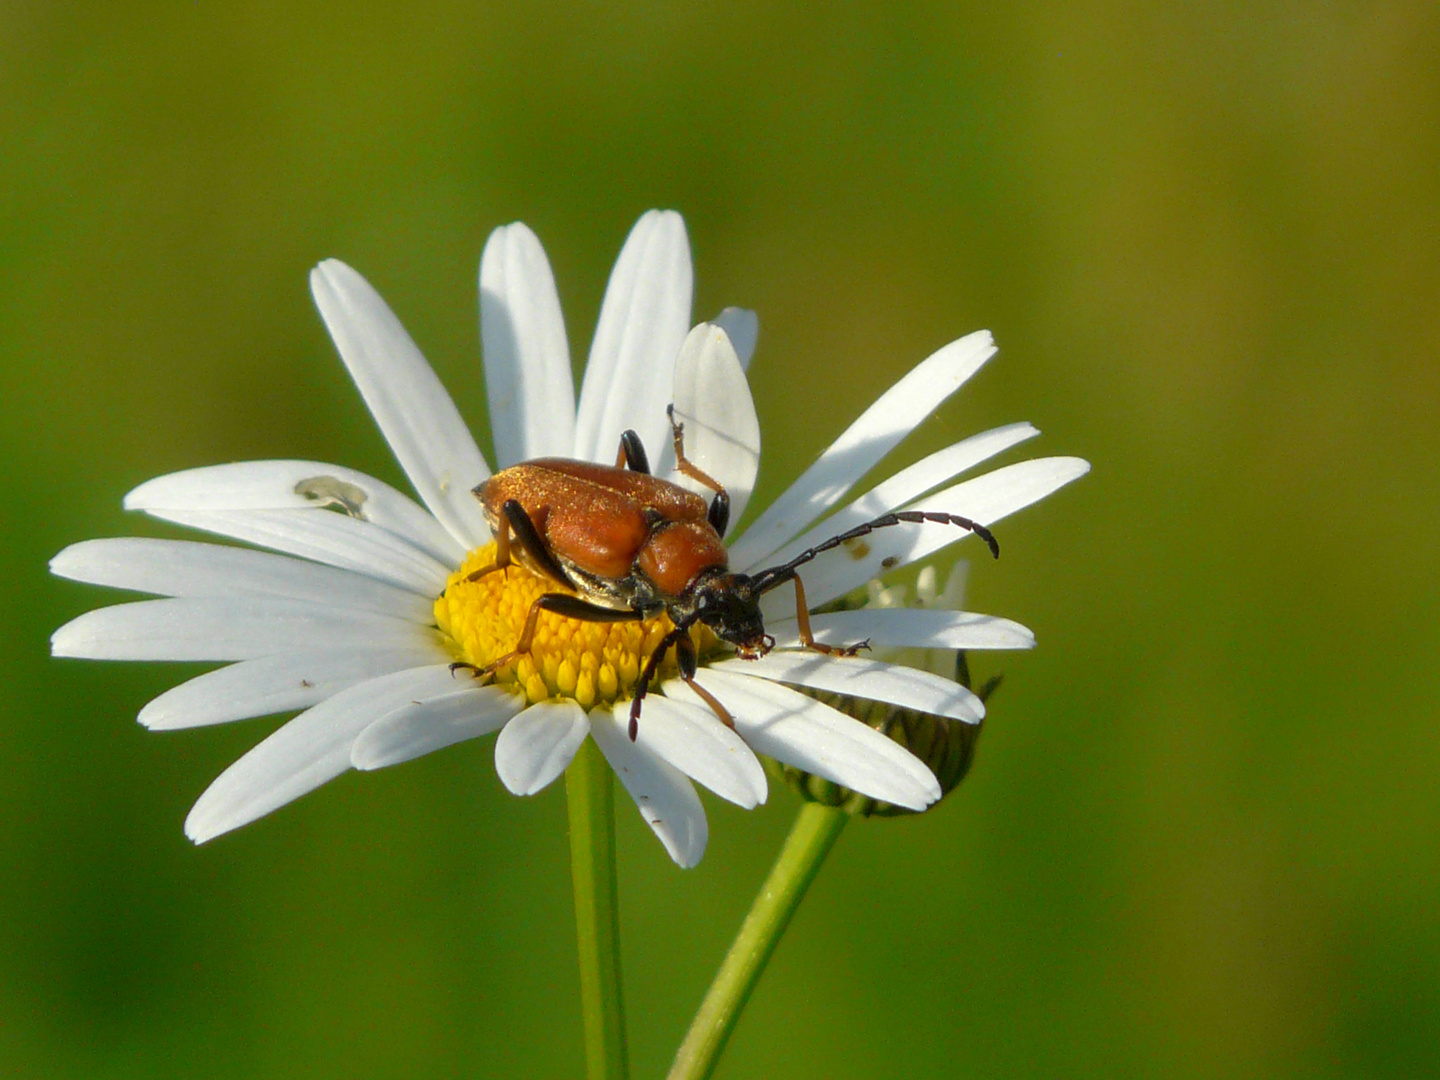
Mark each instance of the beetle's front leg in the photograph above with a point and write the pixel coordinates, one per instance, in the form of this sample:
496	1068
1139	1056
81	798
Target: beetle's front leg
679	637
685	655
648	673
802	616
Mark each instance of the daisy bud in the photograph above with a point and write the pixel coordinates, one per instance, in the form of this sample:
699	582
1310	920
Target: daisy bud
946	746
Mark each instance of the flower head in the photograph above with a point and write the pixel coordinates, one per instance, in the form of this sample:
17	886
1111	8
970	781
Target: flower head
367	614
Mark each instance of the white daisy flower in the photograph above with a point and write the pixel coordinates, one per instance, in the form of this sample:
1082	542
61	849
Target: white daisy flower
340	619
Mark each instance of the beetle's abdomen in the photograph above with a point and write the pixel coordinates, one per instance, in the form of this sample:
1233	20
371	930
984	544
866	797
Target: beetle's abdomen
677	553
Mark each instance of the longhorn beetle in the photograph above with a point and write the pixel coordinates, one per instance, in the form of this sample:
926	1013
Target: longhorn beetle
630	545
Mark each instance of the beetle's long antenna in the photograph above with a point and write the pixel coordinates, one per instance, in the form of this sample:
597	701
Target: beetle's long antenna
767	579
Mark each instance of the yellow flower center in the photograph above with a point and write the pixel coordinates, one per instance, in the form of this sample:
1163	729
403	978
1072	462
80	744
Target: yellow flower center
591	662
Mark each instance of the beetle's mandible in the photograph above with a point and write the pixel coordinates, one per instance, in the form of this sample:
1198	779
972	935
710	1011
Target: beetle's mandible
630	546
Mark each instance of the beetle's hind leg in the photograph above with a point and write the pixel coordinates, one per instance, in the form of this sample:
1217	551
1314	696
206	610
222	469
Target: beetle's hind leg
719	515
632	454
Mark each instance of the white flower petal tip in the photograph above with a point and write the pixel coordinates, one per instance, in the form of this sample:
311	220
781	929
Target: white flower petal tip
801	731
694	740
721	431
234	628
643	321
538	745
878	430
986	499
743	327
416	415
910	483
909	628
183	568
664	795
527	358
421	727
874	680
308	751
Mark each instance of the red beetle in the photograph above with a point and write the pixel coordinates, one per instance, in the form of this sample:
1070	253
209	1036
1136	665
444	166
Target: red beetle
630	545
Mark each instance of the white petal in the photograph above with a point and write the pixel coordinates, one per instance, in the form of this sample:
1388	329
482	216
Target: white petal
986	498
645	317
295	679
186	568
743	327
909	628
537	745
234	628
528	381
893	416
693	739
874	680
908	484
665	796
333	539
446	717
810	735
305	753
414	412
722	432
298	485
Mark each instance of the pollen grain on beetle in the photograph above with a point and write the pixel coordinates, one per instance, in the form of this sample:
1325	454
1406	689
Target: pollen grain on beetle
591	662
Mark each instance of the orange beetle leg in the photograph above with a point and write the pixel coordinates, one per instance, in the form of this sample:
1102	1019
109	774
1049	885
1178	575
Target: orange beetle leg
709	699
802	615
682	463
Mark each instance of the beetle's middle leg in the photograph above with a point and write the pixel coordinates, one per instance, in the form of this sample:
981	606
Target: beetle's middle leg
571	607
720	505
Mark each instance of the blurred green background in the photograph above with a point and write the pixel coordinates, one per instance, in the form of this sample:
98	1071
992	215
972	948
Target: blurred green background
1200	839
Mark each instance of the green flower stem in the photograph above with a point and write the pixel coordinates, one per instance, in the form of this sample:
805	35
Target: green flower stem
812	836
590	792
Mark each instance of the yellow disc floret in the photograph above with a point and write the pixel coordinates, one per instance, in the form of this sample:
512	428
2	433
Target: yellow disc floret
591	662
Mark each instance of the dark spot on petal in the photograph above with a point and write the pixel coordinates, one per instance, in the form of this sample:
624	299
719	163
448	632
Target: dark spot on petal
332	493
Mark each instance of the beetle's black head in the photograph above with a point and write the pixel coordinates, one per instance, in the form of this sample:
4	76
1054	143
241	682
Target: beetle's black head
729	604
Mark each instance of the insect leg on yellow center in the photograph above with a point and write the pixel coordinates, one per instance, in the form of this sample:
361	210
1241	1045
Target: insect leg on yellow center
686	658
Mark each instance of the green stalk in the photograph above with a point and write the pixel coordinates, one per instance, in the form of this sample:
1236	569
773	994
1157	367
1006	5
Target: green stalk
812	836
590	793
